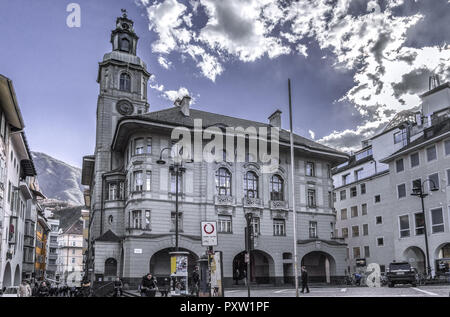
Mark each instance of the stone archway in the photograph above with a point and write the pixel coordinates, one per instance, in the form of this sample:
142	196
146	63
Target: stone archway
160	262
321	266
442	256
262	267
416	257
110	268
7	278
17	276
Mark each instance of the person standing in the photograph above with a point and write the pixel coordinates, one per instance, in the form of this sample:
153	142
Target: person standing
195	282
23	289
43	290
305	280
148	287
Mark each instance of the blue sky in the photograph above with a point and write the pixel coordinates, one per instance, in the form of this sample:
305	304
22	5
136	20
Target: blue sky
353	63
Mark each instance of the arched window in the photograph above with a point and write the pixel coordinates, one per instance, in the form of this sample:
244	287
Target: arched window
223	182
276	188
251	185
125	45
125	82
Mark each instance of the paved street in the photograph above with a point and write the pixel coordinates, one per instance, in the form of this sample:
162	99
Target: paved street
398	291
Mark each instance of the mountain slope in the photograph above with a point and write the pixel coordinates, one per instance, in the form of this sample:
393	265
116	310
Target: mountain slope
58	180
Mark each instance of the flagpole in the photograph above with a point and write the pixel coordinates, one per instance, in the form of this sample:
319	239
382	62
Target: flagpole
294	213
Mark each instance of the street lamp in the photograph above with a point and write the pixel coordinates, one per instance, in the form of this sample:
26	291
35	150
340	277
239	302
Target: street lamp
177	169
418	191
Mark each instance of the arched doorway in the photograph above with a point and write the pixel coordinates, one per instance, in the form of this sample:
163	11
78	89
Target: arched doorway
262	270
110	269
320	266
415	256
160	263
7	278
443	259
17	276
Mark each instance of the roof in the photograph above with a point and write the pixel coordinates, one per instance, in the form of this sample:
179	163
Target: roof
9	104
87	170
108	236
75	228
432	91
438	130
173	116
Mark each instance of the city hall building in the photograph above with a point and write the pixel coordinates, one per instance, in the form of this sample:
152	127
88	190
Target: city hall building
133	201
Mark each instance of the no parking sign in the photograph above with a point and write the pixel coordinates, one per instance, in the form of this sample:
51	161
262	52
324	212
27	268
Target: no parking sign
209	233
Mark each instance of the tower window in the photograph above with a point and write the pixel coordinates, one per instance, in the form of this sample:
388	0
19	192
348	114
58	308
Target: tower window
125	82
125	45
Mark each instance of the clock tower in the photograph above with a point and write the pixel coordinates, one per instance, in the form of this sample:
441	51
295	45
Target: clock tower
123	80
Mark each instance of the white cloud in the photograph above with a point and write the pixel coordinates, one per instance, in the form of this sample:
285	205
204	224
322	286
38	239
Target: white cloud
172	95
312	134
164	62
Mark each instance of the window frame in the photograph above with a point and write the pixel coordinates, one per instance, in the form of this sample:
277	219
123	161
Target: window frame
277	193
411	160
279	227
125	80
228	221
400	230
435	153
437	225
254	182
398	191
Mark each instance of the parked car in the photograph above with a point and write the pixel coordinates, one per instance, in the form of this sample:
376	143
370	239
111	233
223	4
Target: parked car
401	273
12	291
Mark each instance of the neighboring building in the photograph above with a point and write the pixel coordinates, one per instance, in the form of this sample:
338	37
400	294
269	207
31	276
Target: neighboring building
42	231
377	215
132	200
52	249
17	172
70	254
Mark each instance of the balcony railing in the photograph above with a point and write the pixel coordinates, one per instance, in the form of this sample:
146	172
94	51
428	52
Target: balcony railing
223	200
278	204
251	202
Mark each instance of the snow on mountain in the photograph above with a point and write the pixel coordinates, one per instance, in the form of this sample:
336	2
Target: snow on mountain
58	180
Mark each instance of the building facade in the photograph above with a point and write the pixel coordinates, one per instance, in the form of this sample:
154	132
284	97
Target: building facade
132	197
377	214
16	178
70	254
52	249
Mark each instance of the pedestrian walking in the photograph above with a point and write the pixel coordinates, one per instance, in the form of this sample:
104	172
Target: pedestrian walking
148	286
244	276
23	289
29	292
195	282
236	276
304	278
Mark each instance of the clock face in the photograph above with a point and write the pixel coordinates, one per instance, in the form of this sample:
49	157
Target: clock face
125	108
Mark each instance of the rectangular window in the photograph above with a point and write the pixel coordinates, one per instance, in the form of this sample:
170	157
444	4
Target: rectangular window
365	229
437	220
345	179
334	197
147	220
343	194
344	232
224	224
366	251
377	199
173	183
363	189
417	183
358	174
279	227
399	166
419	223
313	229
310	169
379	220
312	198
139	146
112	191
434	181
404	226
401	137
448	177
354	211
447	147
256	226
148	181
353	192
149	145
364	209
431	153
138	181
355	231
380	242
136	218
414	160
356	253
401	191
180	221
344	214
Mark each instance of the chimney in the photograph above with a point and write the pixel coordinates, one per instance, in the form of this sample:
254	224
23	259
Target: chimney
275	119
183	104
